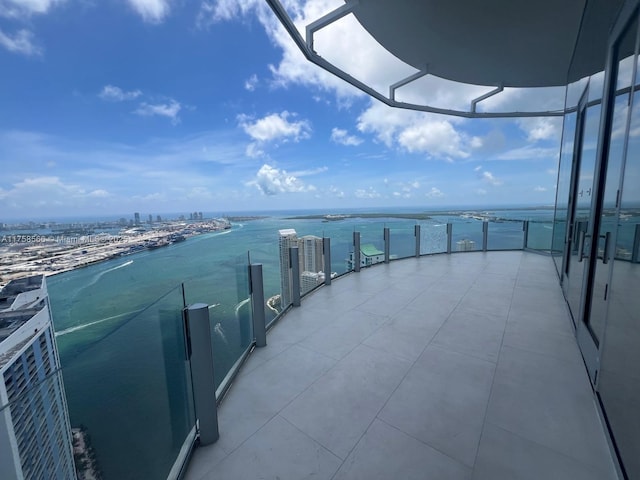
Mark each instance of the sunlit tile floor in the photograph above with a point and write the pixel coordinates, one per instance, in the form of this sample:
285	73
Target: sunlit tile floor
456	366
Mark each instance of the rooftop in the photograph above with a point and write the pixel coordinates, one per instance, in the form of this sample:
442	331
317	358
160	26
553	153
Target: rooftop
459	366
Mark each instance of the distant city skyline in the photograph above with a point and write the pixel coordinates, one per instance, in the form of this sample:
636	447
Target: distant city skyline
208	106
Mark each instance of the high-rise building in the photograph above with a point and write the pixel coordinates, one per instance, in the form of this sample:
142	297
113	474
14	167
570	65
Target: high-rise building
35	434
288	238
310	261
136	217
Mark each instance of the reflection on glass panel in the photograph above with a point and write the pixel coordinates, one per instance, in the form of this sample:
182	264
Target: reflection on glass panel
563	187
466	235
583	194
619	384
402	242
433	238
505	235
130	389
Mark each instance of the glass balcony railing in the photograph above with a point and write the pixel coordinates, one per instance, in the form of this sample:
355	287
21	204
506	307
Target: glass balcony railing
540	235
129	385
466	236
433	238
505	235
402	242
229	311
126	373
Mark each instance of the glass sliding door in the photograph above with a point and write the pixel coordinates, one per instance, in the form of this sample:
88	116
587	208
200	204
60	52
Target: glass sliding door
619	379
601	233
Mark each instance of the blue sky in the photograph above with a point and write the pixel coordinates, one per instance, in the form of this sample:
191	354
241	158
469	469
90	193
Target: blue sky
176	106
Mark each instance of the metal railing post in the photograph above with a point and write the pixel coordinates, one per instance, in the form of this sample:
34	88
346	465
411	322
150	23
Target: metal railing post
416	233
636	245
257	304
387	244
485	235
356	251
294	263
326	249
200	349
449	235
525	229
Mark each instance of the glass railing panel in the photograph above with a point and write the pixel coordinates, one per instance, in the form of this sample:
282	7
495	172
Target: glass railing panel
371	243
466	235
540	235
226	291
627	240
402	242
505	235
341	252
130	388
433	238
270	261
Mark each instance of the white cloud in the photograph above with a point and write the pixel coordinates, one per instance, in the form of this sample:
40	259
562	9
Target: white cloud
336	192
116	94
151	11
251	83
22	42
529	152
169	110
22	8
48	191
541	128
313	171
540	189
272	181
366	193
478	168
415	132
481	191
343	138
434	193
489	178
275	127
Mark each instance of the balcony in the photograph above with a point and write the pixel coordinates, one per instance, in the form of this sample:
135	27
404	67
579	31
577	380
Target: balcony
444	366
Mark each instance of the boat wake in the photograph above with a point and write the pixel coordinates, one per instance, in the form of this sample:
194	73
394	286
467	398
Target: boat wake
102	274
90	324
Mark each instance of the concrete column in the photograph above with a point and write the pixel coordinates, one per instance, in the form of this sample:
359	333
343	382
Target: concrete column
326	249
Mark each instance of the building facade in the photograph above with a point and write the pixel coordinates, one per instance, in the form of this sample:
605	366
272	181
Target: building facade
310	263
35	434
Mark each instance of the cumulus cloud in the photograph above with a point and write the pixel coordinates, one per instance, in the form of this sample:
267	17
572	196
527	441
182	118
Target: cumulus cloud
541	128
22	42
273	181
336	192
151	11
169	110
116	94
491	179
343	138
540	189
251	83
415	132
275	127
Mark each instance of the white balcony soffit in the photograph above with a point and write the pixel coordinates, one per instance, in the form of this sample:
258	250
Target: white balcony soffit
494	43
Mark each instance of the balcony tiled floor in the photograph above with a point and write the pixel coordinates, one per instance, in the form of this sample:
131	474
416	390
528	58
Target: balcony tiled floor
445	367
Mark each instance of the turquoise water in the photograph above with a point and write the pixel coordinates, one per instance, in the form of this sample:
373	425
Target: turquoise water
120	329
